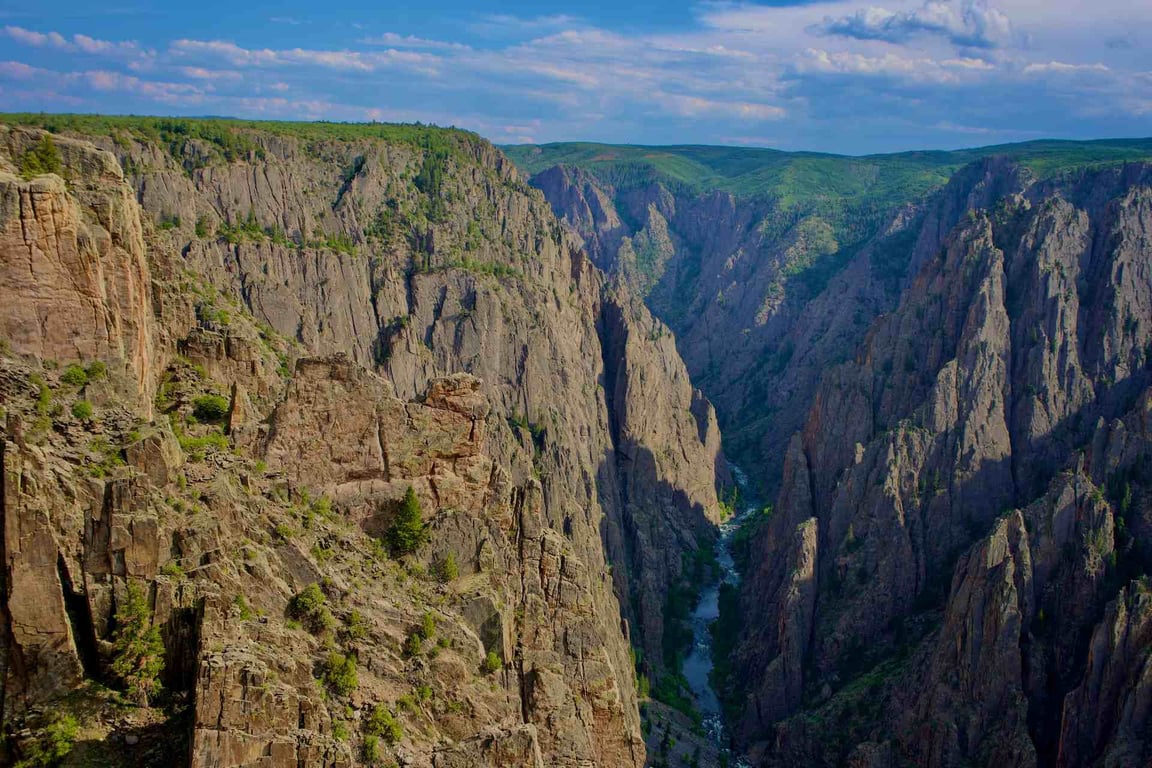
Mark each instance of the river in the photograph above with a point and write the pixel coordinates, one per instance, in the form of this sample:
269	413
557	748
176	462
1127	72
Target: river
698	665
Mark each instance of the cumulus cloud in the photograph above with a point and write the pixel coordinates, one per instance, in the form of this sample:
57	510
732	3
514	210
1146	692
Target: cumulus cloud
78	43
889	65
967	23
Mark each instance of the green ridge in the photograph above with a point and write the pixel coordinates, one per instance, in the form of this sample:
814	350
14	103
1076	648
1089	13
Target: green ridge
804	178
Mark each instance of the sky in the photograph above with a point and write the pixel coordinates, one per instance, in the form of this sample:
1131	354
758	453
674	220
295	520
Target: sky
836	76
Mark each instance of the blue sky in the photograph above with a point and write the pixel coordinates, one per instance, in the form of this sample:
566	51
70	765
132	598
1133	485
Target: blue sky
841	76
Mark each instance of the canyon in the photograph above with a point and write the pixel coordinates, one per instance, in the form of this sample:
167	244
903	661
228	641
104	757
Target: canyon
948	403
236	356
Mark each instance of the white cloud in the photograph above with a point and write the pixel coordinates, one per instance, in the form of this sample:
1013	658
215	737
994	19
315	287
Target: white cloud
410	41
890	65
30	37
1061	67
966	23
356	61
508	23
78	43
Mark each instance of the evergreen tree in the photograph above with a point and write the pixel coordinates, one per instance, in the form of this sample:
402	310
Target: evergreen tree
408	531
139	650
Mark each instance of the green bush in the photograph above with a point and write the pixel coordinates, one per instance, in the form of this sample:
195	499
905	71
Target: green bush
243	610
408	532
42	158
82	409
383	724
97	370
310	608
447	570
414	644
355	628
51	744
210	407
195	446
338	673
492	663
75	376
138	651
428	626
371	751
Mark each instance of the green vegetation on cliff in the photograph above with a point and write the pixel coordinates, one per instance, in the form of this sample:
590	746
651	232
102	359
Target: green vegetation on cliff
236	138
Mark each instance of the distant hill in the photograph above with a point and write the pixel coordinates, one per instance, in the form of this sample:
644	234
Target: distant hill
798	177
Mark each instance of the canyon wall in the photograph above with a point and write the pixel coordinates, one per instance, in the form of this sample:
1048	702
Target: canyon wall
378	313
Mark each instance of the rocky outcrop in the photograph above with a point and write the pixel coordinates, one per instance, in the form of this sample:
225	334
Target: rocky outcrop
1106	719
75	266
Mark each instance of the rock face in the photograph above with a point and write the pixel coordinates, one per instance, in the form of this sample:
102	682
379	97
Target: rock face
990	388
351	317
762	297
75	268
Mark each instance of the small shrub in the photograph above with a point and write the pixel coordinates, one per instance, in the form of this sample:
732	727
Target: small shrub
82	409
447	570
310	608
428	626
138	651
210	407
414	644
371	751
42	158
383	724
492	663
355	628
74	376
338	673
51	744
195	447
242	607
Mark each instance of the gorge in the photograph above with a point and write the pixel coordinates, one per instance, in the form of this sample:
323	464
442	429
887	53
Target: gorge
231	348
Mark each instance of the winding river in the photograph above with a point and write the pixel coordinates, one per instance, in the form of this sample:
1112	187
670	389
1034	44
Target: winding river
698	665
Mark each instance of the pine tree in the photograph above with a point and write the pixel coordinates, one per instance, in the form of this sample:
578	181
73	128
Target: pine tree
408	531
139	650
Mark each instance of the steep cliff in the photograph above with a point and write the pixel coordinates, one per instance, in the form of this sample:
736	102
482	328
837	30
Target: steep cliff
966	444
225	367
